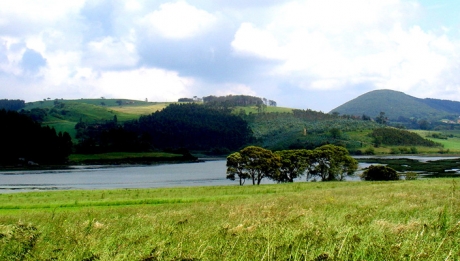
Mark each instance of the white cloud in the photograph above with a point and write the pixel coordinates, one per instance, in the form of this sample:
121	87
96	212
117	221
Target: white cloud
110	53
22	17
333	44
43	10
154	84
234	89
253	41
179	20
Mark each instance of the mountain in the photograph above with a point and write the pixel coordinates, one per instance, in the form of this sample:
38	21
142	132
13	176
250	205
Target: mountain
398	104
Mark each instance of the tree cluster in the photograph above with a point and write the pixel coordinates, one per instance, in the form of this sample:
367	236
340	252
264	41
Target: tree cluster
108	137
24	140
380	173
234	100
312	115
398	137
328	162
12	105
189	125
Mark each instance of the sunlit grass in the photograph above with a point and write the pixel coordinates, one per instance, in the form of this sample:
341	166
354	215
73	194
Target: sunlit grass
267	109
452	143
77	158
141	110
403	220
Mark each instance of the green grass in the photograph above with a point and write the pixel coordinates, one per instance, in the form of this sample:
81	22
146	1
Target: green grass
403	220
141	109
452	143
79	158
268	109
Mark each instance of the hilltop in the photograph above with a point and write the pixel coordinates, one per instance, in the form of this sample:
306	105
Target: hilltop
63	115
399	106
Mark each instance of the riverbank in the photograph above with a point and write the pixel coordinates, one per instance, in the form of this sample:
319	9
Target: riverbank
108	159
401	220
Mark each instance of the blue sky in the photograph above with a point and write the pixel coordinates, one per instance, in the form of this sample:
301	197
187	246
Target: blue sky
303	54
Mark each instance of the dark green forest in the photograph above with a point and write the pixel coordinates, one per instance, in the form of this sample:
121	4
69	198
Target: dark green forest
25	141
191	126
396	137
12	105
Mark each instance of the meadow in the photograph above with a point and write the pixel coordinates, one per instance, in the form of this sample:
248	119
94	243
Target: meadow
402	220
117	156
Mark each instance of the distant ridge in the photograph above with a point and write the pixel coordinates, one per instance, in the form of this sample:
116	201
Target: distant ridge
397	104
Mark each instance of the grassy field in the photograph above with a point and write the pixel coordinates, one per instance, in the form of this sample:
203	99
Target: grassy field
114	156
141	109
403	220
451	143
268	109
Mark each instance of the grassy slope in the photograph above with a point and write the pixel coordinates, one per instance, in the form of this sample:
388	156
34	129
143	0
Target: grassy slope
451	144
113	156
91	110
269	109
404	220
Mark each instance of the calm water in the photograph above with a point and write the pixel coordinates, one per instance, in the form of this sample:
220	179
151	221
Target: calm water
209	173
102	177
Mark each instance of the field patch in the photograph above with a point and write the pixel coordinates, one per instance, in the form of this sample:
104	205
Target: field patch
401	220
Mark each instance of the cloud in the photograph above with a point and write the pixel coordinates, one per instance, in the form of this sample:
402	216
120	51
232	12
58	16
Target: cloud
179	20
110	53
332	45
24	17
253	41
301	53
154	84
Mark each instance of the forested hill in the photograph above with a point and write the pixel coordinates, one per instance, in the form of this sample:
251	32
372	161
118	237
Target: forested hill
398	104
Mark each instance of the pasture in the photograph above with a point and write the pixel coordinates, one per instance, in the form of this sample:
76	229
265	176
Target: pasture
402	220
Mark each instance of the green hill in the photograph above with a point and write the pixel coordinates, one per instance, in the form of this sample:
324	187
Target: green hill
398	104
64	114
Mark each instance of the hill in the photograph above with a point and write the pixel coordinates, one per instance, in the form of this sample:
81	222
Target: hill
63	115
399	106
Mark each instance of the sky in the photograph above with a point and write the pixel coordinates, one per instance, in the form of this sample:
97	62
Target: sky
306	54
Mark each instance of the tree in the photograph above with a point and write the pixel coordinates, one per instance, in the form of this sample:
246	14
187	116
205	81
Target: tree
382	119
379	173
254	163
336	133
293	164
331	162
235	167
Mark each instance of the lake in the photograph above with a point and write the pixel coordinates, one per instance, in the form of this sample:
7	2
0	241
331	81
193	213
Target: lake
208	173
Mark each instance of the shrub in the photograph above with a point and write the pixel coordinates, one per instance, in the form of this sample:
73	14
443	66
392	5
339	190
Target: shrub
411	176
369	151
379	172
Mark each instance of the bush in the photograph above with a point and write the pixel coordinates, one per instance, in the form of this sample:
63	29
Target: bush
379	172
411	176
369	151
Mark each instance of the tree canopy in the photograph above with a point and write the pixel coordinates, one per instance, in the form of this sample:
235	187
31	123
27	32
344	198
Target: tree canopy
328	162
380	173
191	126
23	138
